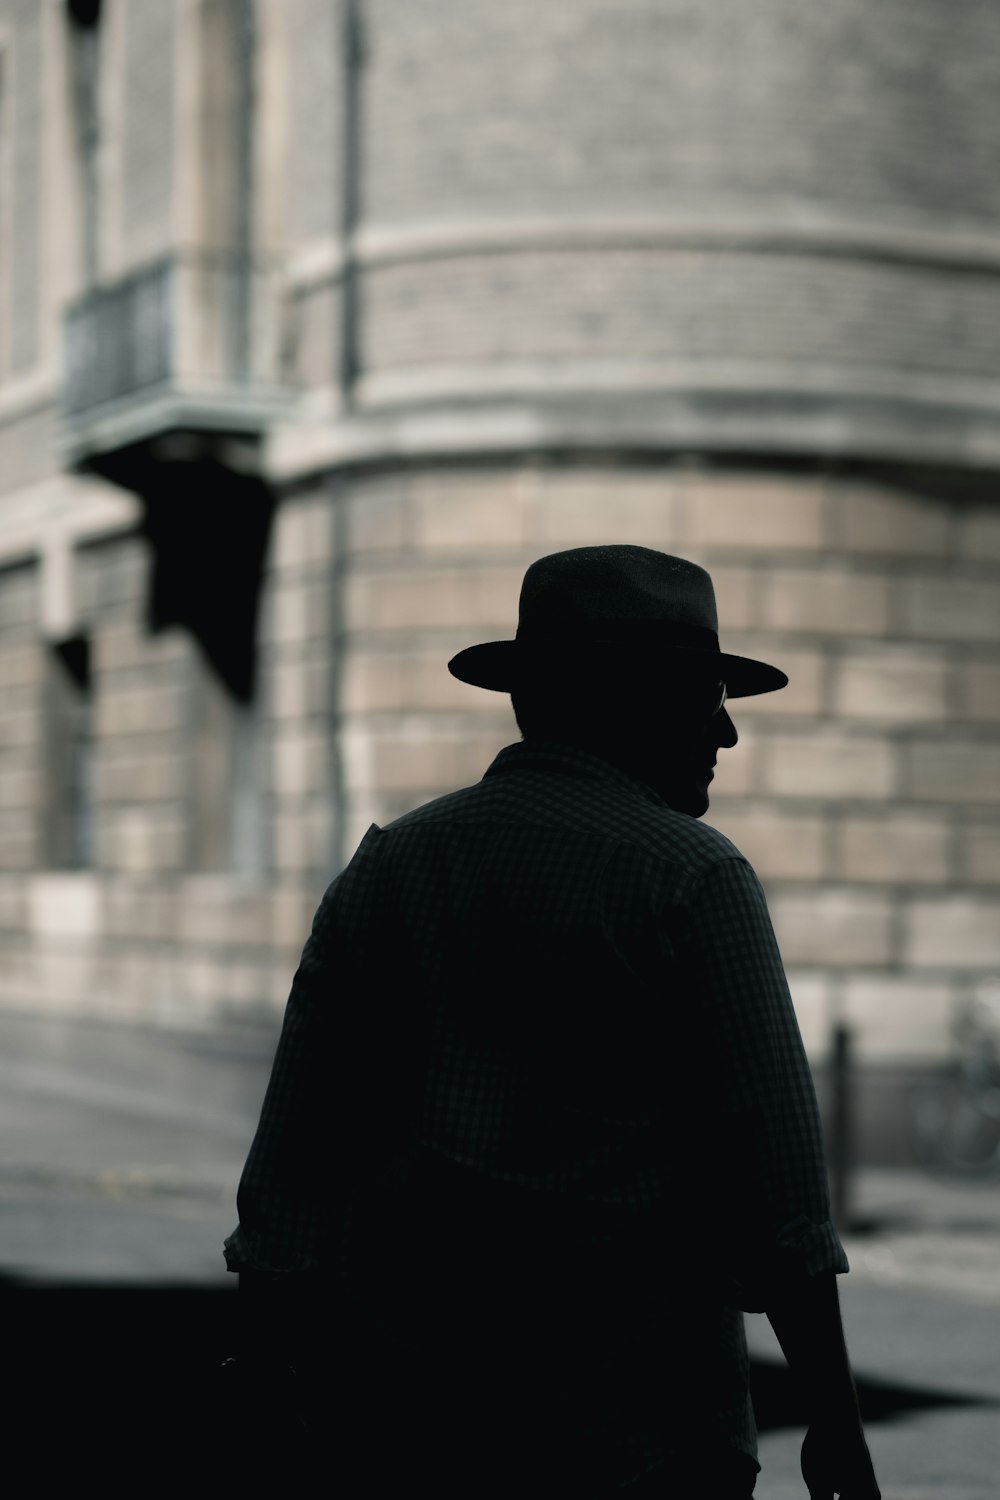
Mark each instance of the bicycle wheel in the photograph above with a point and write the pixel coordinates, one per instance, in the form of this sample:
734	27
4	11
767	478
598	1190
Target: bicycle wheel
953	1131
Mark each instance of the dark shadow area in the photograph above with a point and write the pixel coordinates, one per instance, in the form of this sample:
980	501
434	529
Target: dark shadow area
123	1384
777	1398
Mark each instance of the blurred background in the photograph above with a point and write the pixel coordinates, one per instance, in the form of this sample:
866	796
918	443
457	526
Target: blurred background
319	321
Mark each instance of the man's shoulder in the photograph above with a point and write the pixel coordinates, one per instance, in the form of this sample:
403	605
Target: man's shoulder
465	804
686	841
607	811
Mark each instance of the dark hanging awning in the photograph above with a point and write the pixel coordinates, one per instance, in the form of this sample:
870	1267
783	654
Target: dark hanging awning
208	529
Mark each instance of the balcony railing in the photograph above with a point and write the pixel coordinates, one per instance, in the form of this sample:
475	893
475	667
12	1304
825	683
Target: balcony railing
192	340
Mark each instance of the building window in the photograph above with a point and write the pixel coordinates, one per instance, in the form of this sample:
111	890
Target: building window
69	746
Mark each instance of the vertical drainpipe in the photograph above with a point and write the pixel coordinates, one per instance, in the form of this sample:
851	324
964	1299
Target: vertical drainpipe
347	365
243	32
352	52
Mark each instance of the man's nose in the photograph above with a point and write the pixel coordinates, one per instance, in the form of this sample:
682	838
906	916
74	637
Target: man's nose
724	730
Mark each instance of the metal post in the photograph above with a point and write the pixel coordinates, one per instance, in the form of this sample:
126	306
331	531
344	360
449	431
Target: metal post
841	1137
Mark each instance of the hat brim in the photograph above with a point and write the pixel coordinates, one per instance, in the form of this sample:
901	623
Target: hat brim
495	665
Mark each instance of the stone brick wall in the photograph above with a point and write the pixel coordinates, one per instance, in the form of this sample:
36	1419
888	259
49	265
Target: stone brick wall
475	109
20	723
866	794
649	308
316	99
296	688
788	203
145	933
148	165
21	154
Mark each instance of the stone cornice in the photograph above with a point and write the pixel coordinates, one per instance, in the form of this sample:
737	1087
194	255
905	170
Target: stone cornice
901	423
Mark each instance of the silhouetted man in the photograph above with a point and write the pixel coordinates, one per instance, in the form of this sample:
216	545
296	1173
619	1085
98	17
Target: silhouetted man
540	1125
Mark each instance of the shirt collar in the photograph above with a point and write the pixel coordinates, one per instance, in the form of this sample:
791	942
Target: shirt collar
569	760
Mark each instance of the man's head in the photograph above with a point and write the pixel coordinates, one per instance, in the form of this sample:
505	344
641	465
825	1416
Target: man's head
617	650
664	726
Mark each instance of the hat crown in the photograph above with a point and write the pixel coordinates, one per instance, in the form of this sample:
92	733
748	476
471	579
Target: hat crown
587	587
632	607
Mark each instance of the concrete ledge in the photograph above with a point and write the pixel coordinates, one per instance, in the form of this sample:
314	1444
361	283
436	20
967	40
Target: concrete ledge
897	419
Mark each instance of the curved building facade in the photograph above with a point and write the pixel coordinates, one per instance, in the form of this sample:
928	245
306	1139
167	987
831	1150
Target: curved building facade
459	284
679	224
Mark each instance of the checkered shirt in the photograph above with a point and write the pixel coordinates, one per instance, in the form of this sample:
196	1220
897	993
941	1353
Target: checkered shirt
539	1055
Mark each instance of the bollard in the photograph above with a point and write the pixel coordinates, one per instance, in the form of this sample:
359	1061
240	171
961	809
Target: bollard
841	1141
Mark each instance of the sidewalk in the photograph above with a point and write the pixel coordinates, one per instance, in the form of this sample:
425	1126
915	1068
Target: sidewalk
120	1153
921	1312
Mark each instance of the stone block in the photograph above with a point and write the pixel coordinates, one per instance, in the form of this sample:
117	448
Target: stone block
19	850
383	682
459	512
836	927
902	848
735	596
298	688
302	539
827	601
406	762
979	846
292	912
301	762
750	513
285	690
804	695
810	994
950	608
161	778
978	691
202	914
475	752
943	771
298	612
779	845
113	714
878	520
372	682
19	596
899	1019
20	730
407	600
65	905
489	600
319	835
952	932
579	508
377	516
895	684
141	842
21	665
828	764
979	534
290	841
14	901
19	787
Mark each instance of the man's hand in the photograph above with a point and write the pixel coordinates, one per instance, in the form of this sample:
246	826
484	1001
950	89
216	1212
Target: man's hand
836	1461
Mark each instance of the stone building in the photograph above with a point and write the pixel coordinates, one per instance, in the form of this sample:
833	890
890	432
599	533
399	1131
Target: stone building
320	319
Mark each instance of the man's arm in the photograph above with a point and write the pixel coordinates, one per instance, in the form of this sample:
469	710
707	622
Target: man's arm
806	1319
789	1253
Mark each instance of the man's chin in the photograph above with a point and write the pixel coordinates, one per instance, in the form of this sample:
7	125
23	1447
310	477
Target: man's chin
692	800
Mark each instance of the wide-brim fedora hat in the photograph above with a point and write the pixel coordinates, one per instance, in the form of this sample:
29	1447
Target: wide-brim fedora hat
631	602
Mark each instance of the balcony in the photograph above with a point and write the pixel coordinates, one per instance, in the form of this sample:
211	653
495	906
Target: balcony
189	344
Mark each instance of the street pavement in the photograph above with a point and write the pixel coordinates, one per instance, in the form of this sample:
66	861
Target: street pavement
120	1153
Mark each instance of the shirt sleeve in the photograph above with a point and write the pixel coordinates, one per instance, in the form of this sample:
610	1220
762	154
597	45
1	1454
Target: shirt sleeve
769	1148
304	1148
